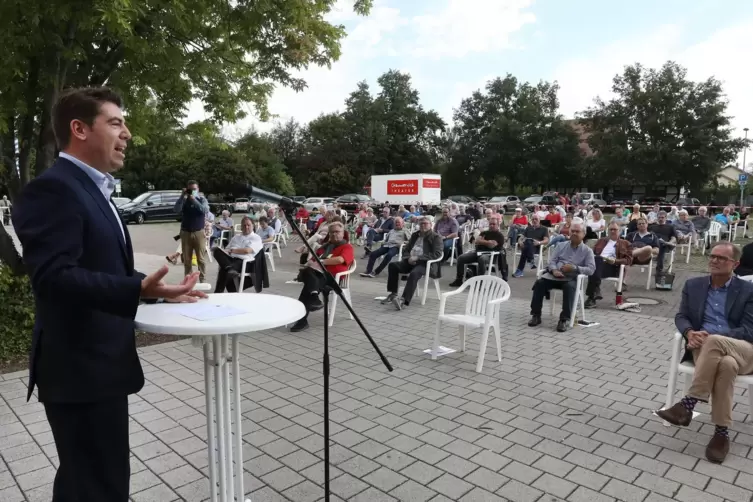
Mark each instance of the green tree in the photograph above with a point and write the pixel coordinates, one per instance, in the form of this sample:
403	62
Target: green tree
661	128
221	53
514	132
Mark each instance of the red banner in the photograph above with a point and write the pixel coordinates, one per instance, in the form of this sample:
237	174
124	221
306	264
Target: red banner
432	183
402	187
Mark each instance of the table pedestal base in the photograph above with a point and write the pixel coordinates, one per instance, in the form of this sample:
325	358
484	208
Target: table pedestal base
225	442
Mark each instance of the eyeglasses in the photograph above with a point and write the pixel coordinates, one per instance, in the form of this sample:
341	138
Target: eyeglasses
721	259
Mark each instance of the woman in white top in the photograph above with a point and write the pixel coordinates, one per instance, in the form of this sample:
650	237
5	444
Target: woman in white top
596	222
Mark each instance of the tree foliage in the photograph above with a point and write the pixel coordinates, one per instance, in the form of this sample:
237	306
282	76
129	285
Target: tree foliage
661	128
514	133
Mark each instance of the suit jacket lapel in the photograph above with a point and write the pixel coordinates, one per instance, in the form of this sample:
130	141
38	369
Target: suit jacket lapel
700	307
732	294
99	198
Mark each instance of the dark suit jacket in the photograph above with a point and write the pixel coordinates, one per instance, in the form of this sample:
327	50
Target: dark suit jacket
739	309
746	261
85	287
433	249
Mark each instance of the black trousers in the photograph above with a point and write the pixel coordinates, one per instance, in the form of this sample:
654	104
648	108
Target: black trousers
472	257
229	269
527	253
313	282
541	289
603	270
415	273
92	443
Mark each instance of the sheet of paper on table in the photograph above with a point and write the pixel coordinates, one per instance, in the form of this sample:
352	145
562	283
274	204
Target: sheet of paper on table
203	311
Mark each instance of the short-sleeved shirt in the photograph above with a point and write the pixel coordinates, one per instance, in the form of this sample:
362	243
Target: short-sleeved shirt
554	218
344	250
265	233
491	235
536	233
665	231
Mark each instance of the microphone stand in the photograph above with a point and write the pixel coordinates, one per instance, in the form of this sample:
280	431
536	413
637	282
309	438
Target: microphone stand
289	208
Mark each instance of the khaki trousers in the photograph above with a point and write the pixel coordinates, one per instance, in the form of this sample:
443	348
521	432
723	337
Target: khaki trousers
719	360
194	242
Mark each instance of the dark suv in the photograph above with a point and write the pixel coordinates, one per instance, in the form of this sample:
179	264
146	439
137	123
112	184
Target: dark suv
151	206
351	201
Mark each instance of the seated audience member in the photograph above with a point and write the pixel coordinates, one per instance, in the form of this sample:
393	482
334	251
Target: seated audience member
673	215
519	223
636	213
567	261
317	237
653	215
390	248
596	223
380	230
483	223
534	236
462	217
413	212
336	254
274	221
684	229
644	245
302	214
554	217
724	218
224	223
447	227
475	211
541	212
582	212
265	230
746	261
619	217
716	322
230	260
701	224
424	245
609	254
488	240
666	233
562	232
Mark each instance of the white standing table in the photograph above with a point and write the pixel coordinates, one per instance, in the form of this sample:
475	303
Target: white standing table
263	312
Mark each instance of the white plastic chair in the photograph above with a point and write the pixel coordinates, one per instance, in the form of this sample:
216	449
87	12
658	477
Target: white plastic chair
343	279
426	282
453	251
492	262
578	301
688	369
619	280
481	311
686	252
714	233
539	257
244	274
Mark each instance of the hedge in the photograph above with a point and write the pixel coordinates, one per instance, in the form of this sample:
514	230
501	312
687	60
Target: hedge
16	315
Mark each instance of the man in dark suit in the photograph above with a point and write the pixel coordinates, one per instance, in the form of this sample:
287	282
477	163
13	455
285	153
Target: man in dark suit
80	261
716	320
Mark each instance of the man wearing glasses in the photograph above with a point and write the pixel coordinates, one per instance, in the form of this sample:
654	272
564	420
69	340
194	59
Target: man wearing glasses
610	253
716	321
489	240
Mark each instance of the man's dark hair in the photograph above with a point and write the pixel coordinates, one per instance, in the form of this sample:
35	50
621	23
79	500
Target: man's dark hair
263	219
191	182
79	104
736	251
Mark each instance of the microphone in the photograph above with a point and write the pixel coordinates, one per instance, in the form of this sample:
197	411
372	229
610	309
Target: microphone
280	200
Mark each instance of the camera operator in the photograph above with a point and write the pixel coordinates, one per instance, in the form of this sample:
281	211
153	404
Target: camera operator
193	207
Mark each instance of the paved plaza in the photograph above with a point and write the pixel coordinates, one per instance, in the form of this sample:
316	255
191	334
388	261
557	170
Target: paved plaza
563	417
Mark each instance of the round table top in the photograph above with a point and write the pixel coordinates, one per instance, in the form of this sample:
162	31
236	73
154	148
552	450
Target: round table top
262	312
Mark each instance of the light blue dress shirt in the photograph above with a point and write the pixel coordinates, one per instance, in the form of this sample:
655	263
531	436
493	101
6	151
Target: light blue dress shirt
104	181
714	318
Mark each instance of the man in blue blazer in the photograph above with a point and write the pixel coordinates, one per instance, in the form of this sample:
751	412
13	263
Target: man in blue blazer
80	260
716	320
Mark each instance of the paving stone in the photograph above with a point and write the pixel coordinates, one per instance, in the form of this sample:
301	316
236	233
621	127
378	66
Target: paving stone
410	490
422	472
372	495
384	479
728	491
688	494
520	472
181	476
304	492
519	492
158	493
589	479
554	485
450	486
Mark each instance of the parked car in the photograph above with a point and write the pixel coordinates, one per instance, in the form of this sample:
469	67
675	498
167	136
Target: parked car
119	201
462	199
351	201
316	202
594	199
240	205
150	206
529	202
663	203
298	198
505	202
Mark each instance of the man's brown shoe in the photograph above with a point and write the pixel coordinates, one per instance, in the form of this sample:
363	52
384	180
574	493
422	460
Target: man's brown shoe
717	449
676	415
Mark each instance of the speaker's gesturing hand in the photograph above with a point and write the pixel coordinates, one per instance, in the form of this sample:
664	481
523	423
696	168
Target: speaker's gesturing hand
152	285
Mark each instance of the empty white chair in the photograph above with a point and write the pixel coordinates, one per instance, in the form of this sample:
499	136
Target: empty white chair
343	279
486	293
713	234
453	251
685	249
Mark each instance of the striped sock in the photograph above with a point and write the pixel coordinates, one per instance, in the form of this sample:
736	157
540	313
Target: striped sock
689	402
721	431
